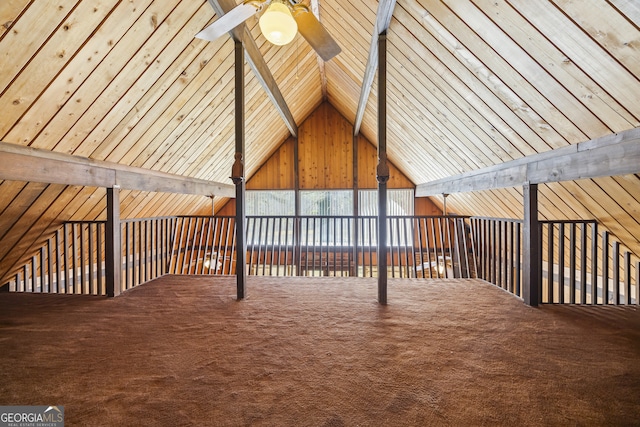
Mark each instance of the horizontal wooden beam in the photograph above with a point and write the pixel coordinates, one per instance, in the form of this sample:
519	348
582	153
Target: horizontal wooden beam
611	155
259	66
28	164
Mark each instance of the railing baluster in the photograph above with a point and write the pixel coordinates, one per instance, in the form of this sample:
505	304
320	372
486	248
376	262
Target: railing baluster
147	250
550	264
58	258
373	237
207	250
43	274
176	246
473	224
83	276
488	250
442	257
99	254
222	251
420	223
561	263
187	245
638	283
572	263
74	252
233	254
90	242
128	253
583	263
50	286
151	251
616	272
605	267
465	248
134	259
500	256
594	265
25	275
34	274
627	277
272	253
518	259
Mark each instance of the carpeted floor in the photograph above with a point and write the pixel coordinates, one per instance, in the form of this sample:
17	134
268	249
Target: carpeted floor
181	351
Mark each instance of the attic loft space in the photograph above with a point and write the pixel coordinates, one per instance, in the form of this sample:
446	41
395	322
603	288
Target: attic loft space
431	88
474	172
325	236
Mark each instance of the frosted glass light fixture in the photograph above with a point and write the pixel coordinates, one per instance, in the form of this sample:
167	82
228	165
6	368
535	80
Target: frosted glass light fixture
277	23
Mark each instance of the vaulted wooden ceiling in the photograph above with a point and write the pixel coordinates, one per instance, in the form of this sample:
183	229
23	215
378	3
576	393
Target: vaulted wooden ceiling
471	83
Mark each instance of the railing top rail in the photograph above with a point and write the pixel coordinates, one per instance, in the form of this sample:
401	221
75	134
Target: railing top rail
488	218
568	221
155	218
204	216
84	222
326	216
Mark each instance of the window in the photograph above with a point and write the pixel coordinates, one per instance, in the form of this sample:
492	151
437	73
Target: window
270	202
326	202
399	202
329	204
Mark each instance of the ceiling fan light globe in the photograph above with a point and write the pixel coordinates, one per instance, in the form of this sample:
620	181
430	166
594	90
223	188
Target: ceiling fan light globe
277	24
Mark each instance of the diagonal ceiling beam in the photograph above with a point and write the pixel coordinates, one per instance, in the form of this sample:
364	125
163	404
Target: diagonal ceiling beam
256	61
611	155
383	19
315	9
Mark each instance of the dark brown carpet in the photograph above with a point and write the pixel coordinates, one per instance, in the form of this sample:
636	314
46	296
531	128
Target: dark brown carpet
181	351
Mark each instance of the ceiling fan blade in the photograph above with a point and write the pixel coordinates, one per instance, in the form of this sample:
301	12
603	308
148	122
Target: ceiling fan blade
315	33
228	21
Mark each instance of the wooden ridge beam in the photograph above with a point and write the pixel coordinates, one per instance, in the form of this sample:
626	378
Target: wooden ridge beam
610	155
20	163
383	19
255	59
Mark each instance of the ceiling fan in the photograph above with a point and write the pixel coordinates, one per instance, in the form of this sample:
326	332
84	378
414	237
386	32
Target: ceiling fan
279	23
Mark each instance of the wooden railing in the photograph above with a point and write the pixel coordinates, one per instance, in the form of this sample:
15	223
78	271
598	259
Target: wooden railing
582	266
146	249
419	246
579	266
203	245
497	244
71	261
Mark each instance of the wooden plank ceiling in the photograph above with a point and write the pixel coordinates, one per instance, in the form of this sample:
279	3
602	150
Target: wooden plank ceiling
472	83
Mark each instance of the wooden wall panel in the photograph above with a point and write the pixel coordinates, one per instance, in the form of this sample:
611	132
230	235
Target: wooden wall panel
367	163
278	171
325	163
326	158
325	150
426	206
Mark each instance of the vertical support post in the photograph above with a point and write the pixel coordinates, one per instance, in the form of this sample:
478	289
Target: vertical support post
382	171
532	265
356	208
296	197
113	255
237	173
